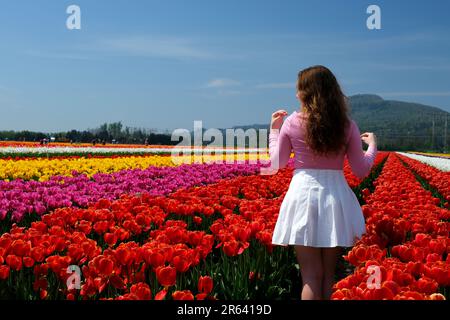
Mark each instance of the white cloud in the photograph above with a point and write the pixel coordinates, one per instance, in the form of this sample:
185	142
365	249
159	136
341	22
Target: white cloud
222	83
157	46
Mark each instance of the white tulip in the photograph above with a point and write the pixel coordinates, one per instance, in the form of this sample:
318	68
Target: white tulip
439	163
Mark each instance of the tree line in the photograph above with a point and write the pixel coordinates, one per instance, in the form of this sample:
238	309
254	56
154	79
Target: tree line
398	138
107	133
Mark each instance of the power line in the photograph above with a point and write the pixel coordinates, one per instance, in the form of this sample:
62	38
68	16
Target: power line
407	135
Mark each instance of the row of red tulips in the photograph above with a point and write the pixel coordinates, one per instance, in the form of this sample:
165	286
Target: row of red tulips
352	180
404	253
437	179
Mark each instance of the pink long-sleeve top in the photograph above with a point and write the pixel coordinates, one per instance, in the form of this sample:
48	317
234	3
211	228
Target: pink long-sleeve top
291	137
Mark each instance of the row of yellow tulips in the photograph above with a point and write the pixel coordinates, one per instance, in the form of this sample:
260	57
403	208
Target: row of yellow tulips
42	169
432	154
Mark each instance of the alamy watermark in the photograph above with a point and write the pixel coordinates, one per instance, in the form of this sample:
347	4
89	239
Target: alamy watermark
73	282
73	21
374	280
228	146
373	22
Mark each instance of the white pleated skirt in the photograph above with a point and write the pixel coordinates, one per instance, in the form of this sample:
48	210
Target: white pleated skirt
319	210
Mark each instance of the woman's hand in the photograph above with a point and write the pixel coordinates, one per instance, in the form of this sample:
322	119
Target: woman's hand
369	138
277	119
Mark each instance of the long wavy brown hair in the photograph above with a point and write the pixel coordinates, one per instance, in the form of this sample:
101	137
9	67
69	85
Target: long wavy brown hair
326	108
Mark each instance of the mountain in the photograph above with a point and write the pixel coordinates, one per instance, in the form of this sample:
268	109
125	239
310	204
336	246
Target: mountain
398	125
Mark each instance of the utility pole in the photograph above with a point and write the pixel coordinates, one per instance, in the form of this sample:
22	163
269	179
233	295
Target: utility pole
445	134
432	135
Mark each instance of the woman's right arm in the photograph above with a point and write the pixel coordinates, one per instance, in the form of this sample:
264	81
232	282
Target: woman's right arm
361	162
279	144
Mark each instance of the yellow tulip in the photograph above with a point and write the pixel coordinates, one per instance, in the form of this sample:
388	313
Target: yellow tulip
42	169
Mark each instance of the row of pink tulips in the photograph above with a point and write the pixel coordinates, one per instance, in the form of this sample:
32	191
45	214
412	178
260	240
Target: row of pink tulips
23	198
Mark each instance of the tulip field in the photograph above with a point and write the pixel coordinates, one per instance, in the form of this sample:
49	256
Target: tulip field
127	226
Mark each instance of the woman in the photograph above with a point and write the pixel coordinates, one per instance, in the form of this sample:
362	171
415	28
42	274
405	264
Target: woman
320	213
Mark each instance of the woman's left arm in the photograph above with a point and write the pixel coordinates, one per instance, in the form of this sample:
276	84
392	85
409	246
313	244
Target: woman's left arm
280	146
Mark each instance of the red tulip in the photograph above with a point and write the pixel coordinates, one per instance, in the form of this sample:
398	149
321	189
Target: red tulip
175	235
439	272
392	286
4	272
105	266
231	248
84	226
43	294
427	286
166	276
110	239
181	264
99	284
438	246
205	284
433	257
197	220
156	259
103	204
28	262
14	262
208	211
123	255
21	248
142	291
243	246
366	192
242	234
201	296
183	295
361	253
415	268
57	263
161	295
101	227
117	282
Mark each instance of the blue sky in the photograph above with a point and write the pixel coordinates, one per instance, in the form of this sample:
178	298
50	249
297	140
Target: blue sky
164	64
